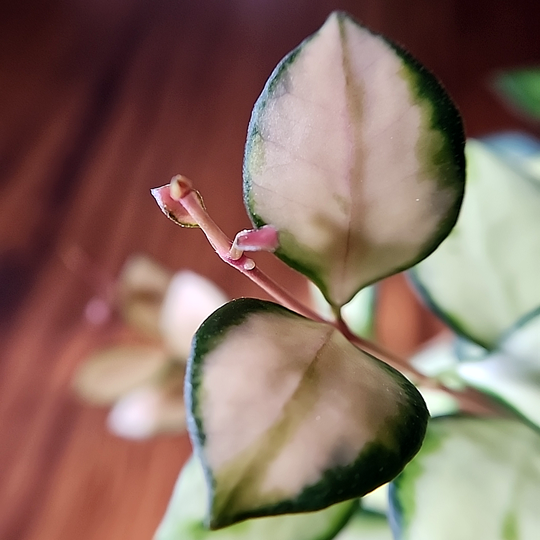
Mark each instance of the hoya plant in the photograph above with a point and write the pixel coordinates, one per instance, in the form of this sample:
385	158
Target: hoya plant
141	380
354	170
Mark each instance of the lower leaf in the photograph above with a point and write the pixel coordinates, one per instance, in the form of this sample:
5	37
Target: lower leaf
288	416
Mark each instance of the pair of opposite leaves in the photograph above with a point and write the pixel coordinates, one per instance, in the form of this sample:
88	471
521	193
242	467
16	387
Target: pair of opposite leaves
355	156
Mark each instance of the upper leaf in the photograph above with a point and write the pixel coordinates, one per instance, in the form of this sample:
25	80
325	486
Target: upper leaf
355	155
484	276
288	416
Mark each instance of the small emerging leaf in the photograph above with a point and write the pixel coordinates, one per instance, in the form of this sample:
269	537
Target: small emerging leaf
473	479
355	155
184	519
174	209
263	239
288	416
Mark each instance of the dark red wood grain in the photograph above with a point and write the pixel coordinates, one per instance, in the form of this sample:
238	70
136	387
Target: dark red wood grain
100	101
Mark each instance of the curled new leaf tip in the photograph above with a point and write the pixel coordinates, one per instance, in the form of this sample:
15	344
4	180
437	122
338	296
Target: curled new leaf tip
168	198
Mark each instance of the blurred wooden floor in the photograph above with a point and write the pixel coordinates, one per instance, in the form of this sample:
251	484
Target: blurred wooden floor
102	100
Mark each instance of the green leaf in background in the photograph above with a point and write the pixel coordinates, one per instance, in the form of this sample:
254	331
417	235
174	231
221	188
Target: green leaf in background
512	373
370	521
184	519
358	314
376	502
484	277
366	526
437	359
439	402
288	416
355	155
520	150
521	89
473	479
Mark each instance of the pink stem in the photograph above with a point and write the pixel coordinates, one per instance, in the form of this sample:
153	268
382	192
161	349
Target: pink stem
180	190
222	245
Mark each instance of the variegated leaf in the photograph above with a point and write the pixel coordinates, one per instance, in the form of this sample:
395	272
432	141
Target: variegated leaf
355	155
473	478
185	517
288	416
484	276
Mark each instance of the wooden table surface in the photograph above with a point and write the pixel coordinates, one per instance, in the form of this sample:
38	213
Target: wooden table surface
102	100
